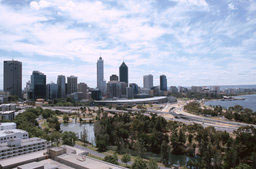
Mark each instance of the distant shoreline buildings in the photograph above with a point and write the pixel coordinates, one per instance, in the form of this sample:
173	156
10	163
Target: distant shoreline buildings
68	87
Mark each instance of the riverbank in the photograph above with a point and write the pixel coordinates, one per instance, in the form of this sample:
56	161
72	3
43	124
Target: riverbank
248	102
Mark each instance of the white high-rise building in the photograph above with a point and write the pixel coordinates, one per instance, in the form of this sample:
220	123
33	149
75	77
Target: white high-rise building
101	84
148	81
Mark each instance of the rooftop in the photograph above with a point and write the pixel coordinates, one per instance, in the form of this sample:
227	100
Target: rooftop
7	112
4	133
22	158
7	124
88	162
46	164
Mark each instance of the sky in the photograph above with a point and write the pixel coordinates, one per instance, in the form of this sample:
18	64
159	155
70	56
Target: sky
192	42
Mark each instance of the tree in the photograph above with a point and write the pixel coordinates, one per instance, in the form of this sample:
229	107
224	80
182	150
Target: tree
165	151
55	137
65	118
69	138
243	166
139	164
111	159
126	158
152	164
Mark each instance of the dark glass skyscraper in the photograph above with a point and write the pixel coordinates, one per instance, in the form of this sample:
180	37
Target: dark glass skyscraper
163	83
13	77
38	85
123	73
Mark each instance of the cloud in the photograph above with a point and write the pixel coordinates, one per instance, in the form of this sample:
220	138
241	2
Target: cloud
187	40
40	5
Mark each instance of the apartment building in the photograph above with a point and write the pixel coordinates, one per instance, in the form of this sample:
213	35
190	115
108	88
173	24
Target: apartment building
7	126
7	135
17	147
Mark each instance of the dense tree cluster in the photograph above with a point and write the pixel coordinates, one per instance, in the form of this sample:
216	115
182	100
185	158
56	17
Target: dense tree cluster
28	121
236	113
208	147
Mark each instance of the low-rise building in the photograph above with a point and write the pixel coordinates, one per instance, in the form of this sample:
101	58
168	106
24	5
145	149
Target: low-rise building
7	115
17	147
7	107
7	126
7	135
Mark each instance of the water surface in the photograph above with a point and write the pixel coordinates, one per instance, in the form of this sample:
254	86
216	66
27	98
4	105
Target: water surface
249	102
79	128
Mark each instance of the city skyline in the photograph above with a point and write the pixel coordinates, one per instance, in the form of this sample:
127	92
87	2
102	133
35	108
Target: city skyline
191	42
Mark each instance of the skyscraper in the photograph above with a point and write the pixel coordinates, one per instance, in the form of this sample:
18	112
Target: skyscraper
38	85
123	73
163	83
148	81
101	84
51	91
61	86
72	84
13	77
100	72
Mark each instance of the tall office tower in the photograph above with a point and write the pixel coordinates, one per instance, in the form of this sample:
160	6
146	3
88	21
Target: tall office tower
100	73
163	83
148	81
38	85
72	84
82	87
113	78
61	86
13	77
123	73
51	91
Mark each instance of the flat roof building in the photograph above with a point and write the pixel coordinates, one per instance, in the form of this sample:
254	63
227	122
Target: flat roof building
72	84
7	126
13	77
38	85
17	147
148	81
6	135
7	115
7	107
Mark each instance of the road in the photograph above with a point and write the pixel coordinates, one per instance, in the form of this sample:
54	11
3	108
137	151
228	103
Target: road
173	112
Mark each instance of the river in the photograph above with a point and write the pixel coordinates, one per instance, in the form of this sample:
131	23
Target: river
79	128
249	102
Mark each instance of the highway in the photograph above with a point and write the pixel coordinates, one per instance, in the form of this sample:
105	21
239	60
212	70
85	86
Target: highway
170	112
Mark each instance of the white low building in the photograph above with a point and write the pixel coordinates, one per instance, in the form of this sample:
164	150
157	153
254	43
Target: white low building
7	107
17	147
6	135
7	115
7	126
